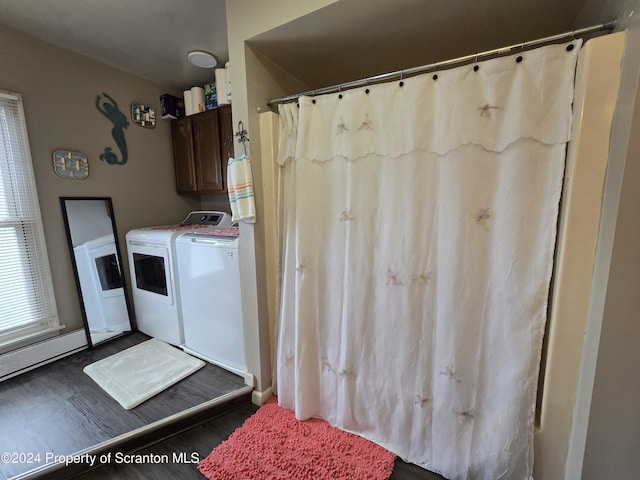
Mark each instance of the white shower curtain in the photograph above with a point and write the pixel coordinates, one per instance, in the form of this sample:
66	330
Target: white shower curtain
419	229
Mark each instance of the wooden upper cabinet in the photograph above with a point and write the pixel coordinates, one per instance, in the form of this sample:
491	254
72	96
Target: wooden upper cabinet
183	156
226	138
206	142
200	144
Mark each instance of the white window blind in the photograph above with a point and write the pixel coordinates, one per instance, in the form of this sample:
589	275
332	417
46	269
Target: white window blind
27	305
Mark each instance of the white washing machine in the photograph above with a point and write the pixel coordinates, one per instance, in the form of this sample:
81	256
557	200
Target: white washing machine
209	277
154	281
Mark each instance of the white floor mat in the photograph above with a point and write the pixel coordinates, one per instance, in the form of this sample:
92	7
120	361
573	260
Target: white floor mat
142	371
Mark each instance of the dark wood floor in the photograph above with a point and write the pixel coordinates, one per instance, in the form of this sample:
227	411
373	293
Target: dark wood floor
59	409
196	443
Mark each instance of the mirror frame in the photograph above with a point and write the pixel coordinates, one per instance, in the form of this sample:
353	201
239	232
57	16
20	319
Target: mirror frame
109	205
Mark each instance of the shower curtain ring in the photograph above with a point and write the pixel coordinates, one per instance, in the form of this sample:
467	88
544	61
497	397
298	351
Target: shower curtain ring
476	67
435	68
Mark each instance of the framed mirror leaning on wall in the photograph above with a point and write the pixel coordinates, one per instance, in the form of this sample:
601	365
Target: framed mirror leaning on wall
97	267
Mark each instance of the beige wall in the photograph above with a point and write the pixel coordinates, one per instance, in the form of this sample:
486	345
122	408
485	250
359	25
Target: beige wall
596	94
59	90
613	438
613	435
255	80
607	10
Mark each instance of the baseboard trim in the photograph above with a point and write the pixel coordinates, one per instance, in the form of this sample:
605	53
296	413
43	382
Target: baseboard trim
27	358
260	398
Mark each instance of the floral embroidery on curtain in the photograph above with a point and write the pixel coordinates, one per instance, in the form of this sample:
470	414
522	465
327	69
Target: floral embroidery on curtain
426	217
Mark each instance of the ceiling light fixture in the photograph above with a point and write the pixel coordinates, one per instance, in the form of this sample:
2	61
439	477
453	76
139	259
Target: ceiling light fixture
202	59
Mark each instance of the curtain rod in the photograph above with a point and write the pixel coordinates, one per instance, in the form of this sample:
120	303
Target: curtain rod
456	61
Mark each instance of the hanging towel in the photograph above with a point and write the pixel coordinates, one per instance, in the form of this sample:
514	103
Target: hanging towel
240	188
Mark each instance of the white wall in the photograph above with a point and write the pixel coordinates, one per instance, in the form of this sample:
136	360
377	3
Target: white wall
88	220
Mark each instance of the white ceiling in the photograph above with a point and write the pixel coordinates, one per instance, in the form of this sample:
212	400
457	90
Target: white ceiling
344	41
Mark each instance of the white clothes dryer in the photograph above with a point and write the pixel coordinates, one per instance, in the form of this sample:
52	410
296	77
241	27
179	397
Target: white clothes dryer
101	285
154	281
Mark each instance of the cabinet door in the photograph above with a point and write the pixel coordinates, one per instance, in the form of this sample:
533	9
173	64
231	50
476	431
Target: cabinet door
226	139
183	155
206	144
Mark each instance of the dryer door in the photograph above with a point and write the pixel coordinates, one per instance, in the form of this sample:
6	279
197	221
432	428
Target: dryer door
151	274
107	269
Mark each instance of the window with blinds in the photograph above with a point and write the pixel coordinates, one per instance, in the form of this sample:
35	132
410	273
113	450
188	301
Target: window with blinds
27	305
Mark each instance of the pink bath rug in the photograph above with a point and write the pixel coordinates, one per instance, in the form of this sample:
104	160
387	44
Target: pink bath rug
273	445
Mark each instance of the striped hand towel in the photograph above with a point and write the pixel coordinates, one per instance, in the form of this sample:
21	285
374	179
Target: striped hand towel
240	188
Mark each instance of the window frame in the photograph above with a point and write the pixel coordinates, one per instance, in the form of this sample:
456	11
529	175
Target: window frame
33	229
